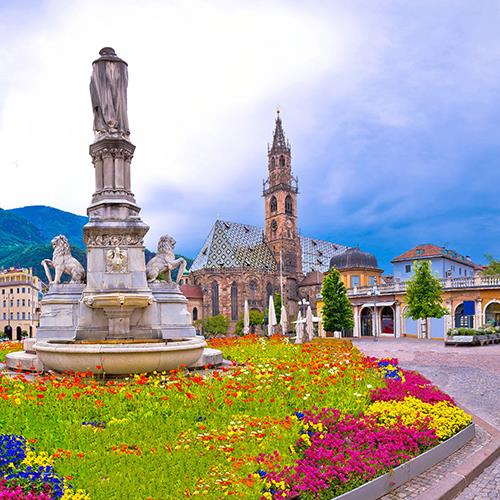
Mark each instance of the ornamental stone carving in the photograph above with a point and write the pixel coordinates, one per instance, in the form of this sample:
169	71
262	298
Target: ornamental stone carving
63	262
164	262
114	240
117	260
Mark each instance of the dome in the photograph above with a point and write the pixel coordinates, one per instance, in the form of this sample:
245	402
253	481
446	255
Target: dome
354	258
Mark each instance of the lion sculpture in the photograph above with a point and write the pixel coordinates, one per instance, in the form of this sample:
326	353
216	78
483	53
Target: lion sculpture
63	262
164	262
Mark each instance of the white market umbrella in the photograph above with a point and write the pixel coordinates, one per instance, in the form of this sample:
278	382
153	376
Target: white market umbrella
299	329
246	319
272	317
309	323
283	320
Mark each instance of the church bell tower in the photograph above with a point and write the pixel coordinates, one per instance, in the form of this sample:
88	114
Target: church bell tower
280	196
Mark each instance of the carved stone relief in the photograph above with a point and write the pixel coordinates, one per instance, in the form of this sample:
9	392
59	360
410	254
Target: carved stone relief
113	240
117	260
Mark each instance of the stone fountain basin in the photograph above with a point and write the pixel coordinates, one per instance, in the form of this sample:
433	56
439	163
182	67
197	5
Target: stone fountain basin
119	357
111	300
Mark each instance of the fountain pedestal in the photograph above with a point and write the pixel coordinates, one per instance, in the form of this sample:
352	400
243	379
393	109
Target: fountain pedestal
116	320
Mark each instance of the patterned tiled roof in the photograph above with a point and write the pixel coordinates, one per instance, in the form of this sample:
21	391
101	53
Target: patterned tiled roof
234	245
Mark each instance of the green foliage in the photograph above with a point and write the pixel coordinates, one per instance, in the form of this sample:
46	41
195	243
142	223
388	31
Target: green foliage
15	230
216	324
337	310
424	294
493	267
277	305
255	318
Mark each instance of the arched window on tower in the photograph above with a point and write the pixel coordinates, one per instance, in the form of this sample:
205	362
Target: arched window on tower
282	161
234	301
274	204
273	162
289	205
215	298
274	229
195	314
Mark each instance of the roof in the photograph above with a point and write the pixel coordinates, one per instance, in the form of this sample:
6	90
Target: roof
429	250
235	245
312	278
192	291
354	258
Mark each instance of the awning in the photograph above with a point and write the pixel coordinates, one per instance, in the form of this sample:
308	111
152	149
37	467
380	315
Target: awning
379	304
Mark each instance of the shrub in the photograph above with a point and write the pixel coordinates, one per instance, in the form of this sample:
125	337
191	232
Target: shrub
214	325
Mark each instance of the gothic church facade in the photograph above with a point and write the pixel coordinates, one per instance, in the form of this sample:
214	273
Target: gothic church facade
241	262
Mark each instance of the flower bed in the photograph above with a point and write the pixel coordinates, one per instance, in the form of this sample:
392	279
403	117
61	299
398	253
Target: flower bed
313	420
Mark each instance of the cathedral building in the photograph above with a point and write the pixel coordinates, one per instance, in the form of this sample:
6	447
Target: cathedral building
241	262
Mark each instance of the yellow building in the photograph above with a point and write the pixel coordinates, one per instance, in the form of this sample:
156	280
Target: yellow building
357	268
19	301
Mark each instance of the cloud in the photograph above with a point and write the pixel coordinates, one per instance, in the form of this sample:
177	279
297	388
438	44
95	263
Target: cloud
391	109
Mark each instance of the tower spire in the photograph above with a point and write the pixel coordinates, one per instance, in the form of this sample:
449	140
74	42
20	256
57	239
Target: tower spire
280	144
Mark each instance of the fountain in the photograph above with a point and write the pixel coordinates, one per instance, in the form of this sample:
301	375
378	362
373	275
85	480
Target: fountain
122	316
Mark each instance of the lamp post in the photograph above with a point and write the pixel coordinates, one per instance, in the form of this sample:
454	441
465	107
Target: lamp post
375	292
303	303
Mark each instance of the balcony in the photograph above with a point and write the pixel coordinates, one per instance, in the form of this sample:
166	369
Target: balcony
472	282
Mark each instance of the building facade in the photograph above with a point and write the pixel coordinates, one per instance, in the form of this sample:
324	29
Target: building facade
19	301
444	263
241	262
472	300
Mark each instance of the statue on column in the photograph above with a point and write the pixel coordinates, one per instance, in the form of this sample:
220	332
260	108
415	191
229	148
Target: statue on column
108	92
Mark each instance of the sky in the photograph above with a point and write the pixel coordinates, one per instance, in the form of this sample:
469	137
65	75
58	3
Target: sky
392	109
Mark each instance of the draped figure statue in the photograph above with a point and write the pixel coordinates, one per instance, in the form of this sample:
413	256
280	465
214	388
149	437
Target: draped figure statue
108	92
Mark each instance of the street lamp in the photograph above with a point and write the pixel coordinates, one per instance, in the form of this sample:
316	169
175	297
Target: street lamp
375	292
303	303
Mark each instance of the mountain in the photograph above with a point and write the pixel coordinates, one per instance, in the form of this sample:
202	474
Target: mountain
52	221
26	232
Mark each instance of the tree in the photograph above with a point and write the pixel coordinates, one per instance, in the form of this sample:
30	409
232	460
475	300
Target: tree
424	294
216	324
337	309
277	305
493	267
255	318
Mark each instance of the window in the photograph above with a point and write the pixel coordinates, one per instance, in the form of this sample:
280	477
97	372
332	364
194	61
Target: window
234	301
289	205
195	313
4	303
4	315
3	291
11	291
215	298
269	291
274	204
372	281
17	289
354	280
18	302
29	302
282	161
419	251
23	302
465	272
29	315
23	315
408	268
460	271
11	302
23	290
18	315
11	315
274	229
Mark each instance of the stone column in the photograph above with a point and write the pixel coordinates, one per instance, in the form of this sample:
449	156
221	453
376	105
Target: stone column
355	330
397	319
478	316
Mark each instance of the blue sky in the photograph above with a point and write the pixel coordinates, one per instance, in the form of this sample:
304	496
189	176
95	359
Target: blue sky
392	109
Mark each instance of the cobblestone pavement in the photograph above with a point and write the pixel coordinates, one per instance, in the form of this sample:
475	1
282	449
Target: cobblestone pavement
472	377
487	485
